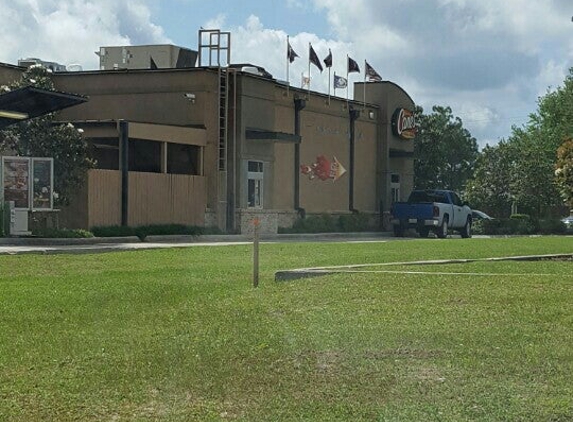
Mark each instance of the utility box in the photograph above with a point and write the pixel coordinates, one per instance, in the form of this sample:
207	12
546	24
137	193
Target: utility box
16	223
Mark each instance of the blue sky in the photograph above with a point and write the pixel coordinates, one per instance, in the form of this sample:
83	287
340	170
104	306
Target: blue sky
488	60
177	15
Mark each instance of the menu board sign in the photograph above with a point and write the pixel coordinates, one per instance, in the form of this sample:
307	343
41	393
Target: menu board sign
16	180
28	181
42	178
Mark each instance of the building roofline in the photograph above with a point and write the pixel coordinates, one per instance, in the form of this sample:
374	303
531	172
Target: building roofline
12	66
388	83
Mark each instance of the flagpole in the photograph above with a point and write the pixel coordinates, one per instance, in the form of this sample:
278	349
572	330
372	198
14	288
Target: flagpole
288	66
309	77
329	85
333	85
347	81
364	83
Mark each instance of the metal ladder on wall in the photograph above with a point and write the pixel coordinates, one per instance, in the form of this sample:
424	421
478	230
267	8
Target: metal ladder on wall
217	44
223	114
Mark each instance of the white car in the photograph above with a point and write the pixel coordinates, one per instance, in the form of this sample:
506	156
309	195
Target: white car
480	215
568	221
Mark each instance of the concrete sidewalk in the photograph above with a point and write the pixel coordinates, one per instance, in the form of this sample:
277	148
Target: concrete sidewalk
28	245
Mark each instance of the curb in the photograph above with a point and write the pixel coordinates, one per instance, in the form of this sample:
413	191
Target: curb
302	273
304	237
45	241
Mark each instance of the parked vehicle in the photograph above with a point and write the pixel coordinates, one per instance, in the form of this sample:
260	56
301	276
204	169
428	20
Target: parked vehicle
568	221
480	215
432	210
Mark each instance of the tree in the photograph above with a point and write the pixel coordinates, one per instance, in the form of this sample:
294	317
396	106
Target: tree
490	189
444	151
564	172
533	184
528	173
42	137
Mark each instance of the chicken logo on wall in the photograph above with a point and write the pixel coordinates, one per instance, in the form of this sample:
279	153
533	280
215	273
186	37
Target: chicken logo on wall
323	169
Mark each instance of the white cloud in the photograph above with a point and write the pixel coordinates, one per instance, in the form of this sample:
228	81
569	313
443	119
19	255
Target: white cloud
488	60
69	31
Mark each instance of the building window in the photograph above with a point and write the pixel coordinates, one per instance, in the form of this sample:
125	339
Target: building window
183	159
144	155
395	187
255	184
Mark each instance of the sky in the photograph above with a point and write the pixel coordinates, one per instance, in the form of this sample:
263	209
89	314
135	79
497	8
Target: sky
489	60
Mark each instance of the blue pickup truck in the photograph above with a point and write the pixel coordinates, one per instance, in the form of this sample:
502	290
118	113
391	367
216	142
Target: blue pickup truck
432	210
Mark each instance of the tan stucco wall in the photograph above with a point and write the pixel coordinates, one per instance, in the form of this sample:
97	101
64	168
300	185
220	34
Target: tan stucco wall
152	97
389	96
323	135
365	173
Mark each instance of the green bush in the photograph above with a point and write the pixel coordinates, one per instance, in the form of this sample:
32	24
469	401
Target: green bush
489	227
63	233
323	223
153	230
552	226
113	231
327	223
353	222
522	224
518	224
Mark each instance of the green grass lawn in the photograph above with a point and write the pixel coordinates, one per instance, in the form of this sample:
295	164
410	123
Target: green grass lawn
181	335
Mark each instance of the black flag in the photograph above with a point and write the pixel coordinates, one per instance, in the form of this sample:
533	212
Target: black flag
352	66
314	58
328	59
291	55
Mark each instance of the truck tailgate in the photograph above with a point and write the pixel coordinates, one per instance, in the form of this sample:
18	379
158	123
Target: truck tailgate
406	211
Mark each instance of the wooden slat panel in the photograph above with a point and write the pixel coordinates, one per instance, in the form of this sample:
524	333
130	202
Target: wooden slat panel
153	198
104	198
166	199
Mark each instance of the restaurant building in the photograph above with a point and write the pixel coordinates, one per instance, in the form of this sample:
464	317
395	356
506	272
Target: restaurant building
177	142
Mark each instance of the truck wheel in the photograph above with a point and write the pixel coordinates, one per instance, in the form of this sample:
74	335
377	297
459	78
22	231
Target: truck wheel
466	232
424	232
443	229
398	230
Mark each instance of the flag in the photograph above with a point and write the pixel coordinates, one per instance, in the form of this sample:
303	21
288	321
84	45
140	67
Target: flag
371	74
291	55
340	82
313	57
328	59
352	66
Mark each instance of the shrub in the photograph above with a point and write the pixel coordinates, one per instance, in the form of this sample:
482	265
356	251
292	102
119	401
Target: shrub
518	224
522	224
327	223
323	223
353	222
153	229
113	231
63	233
552	226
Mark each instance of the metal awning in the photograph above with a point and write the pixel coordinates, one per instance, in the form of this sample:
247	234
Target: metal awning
29	102
272	136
